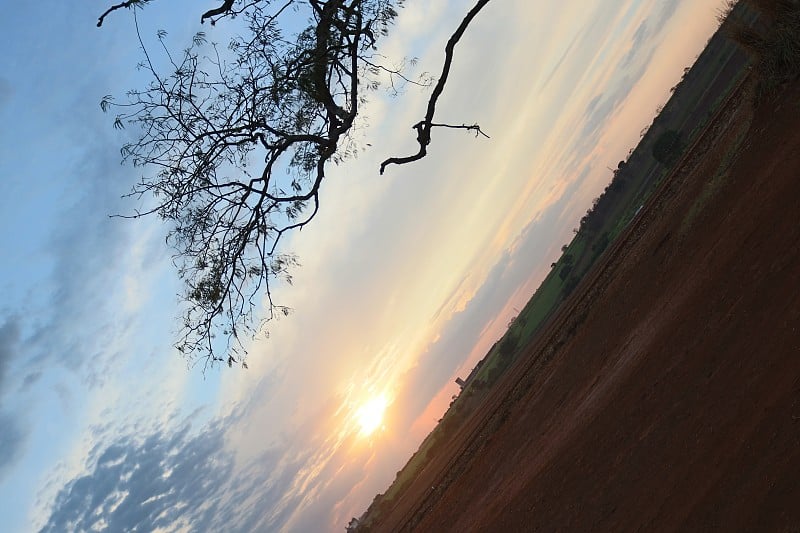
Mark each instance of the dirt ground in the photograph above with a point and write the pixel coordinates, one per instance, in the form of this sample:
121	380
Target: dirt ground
665	395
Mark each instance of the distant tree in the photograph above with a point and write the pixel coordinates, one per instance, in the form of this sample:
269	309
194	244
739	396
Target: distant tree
668	147
570	285
236	141
565	271
568	263
620	175
352	526
600	244
509	345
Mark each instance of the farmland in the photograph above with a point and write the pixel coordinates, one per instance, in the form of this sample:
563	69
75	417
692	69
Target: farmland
654	376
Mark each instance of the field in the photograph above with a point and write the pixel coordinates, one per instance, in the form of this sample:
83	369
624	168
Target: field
664	391
699	94
704	87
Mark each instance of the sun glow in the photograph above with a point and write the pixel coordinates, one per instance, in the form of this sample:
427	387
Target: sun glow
370	415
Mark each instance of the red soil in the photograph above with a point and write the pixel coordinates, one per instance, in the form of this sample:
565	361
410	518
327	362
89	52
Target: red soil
666	393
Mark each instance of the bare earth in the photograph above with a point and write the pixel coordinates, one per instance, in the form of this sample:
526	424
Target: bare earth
666	394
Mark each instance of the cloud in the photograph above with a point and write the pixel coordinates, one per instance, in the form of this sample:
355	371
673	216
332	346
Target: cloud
11	438
644	39
82	308
181	478
9	338
65	255
465	329
11	432
31	378
668	9
625	76
639	40
560	62
601	109
147	483
65	268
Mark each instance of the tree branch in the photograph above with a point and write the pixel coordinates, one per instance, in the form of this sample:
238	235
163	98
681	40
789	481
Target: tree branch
424	126
226	6
121	5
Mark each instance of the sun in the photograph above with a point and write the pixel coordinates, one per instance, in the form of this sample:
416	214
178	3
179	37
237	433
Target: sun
370	415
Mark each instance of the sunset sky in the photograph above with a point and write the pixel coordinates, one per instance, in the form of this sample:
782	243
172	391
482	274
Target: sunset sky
406	279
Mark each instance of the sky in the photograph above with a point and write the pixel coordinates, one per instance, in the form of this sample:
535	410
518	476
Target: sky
406	279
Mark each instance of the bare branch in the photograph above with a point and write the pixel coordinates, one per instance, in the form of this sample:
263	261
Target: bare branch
474	127
127	5
226	6
424	126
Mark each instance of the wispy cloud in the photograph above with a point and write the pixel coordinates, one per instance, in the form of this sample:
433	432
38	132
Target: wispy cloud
12	435
9	347
149	483
11	440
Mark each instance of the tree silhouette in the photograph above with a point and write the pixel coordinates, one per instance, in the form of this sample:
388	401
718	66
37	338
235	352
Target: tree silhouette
668	147
424	126
236	142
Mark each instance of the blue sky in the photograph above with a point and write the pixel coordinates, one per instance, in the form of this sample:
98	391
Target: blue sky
406	278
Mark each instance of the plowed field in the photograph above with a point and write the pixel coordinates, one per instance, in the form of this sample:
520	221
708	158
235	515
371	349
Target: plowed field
665	395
